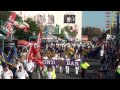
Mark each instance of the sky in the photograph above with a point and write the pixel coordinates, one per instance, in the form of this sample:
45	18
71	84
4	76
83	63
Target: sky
94	19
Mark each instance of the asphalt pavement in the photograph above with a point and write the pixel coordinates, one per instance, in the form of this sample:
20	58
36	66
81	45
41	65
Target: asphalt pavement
94	64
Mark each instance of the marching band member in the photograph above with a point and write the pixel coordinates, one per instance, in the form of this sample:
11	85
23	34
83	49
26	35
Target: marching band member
77	58
67	67
61	63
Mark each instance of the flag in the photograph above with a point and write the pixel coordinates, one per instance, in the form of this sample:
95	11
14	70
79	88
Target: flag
39	40
12	17
46	31
35	56
21	25
9	23
15	52
12	52
3	57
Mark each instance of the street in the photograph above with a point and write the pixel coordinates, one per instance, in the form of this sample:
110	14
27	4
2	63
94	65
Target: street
94	64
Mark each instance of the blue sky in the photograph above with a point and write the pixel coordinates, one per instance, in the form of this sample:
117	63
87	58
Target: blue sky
94	19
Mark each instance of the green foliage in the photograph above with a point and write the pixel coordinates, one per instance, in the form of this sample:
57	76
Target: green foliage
92	32
4	15
60	35
20	34
68	30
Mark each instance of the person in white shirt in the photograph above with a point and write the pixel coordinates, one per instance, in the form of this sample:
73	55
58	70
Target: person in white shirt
7	74
101	54
21	73
49	73
29	68
1	70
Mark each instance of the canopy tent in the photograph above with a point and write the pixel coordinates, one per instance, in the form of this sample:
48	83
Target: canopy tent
23	42
3	32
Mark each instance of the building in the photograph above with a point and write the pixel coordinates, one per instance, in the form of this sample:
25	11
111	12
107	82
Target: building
62	18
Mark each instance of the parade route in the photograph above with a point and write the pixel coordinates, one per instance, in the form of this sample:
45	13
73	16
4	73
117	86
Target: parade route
95	64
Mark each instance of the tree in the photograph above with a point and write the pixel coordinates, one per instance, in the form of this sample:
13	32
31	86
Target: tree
20	34
4	15
68	30
92	32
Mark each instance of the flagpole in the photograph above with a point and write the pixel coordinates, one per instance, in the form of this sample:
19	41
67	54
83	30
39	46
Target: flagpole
29	52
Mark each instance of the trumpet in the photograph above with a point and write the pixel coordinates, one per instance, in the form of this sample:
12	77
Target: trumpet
50	54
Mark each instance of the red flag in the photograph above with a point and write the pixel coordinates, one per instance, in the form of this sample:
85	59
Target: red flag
12	17
9	23
39	40
35	56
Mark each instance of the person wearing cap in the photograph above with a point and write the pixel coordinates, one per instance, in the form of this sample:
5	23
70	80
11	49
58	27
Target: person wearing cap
21	73
1	69
7	74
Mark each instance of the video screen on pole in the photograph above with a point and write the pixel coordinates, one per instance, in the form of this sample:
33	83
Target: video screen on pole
69	18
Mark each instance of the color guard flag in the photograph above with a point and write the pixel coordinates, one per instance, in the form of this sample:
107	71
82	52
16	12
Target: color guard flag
35	56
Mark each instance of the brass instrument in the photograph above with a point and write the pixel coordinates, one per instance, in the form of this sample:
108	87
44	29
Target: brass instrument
69	52
50	54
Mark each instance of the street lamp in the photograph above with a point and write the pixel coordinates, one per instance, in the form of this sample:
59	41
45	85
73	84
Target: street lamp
117	31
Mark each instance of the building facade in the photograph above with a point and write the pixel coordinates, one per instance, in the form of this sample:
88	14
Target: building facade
62	18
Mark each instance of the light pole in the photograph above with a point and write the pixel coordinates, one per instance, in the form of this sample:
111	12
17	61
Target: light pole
117	31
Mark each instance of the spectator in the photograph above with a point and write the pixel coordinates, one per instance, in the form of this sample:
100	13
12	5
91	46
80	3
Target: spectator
29	68
1	70
51	73
7	74
18	63
21	73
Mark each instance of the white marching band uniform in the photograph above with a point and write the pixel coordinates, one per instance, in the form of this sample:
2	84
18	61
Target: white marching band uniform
60	67
77	67
67	67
